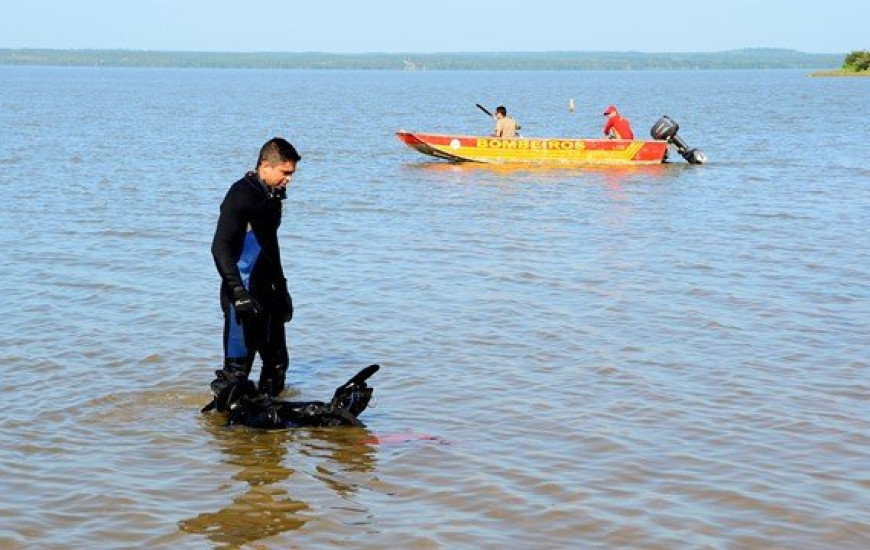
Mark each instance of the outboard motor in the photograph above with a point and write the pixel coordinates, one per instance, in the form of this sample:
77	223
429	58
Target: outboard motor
666	129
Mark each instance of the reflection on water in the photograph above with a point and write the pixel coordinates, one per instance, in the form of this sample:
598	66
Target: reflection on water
557	172
270	505
612	178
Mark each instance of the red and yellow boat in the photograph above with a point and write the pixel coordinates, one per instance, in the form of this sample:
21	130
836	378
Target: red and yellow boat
536	150
486	149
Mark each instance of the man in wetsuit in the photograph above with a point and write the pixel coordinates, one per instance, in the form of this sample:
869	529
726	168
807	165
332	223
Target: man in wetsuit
617	127
254	295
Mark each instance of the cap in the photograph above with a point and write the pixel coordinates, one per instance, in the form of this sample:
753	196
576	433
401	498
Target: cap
611	110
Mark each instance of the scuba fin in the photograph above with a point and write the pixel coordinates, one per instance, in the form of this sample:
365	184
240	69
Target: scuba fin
247	406
354	395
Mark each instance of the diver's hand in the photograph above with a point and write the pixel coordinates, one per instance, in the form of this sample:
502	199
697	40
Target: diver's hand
246	306
285	307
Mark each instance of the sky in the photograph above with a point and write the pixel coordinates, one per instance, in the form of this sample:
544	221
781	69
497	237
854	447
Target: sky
409	26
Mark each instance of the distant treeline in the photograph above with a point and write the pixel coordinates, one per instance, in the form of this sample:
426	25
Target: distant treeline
755	58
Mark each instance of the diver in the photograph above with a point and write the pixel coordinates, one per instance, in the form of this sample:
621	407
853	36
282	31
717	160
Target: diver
254	296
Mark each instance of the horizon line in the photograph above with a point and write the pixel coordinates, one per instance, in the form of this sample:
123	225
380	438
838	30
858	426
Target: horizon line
468	52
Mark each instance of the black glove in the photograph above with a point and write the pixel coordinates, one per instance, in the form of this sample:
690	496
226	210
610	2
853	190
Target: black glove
246	306
285	301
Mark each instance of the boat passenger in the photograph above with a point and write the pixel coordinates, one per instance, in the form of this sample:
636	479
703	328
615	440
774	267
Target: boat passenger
505	126
617	127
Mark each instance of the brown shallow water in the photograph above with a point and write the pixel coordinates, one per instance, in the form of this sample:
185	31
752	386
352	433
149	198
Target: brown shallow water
667	357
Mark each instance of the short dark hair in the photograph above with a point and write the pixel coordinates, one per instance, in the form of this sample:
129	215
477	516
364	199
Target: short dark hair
277	151
501	109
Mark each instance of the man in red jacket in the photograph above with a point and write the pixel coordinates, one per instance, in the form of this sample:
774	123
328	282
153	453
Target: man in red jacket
617	127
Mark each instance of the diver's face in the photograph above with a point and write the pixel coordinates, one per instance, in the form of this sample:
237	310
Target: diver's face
277	175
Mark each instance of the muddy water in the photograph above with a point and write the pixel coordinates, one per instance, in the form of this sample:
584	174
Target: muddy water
666	357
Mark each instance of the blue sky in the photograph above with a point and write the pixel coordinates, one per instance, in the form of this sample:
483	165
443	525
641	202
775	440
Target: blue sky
832	26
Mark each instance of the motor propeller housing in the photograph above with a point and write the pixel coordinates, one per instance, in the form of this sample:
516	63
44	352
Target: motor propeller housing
666	129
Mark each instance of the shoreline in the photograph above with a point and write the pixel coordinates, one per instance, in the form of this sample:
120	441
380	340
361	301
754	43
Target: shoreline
840	72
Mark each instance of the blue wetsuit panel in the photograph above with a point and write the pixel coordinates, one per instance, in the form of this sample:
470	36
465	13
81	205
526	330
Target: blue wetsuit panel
250	253
236	347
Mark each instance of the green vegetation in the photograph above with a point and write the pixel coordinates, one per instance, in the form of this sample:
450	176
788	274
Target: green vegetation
857	63
759	58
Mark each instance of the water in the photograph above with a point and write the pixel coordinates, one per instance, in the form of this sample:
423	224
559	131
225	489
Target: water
673	356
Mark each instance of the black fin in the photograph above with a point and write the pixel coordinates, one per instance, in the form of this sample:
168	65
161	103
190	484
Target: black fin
362	376
354	395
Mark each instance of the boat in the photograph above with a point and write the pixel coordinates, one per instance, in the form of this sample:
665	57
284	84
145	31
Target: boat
535	150
488	149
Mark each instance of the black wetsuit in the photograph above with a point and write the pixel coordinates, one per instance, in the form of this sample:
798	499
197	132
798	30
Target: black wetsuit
246	253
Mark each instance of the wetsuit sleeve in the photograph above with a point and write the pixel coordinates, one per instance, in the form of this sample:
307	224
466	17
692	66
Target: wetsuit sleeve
278	268
228	239
271	251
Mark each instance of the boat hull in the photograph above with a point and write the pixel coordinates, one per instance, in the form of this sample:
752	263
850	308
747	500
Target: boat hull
536	150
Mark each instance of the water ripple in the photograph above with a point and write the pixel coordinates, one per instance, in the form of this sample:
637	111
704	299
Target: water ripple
661	357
